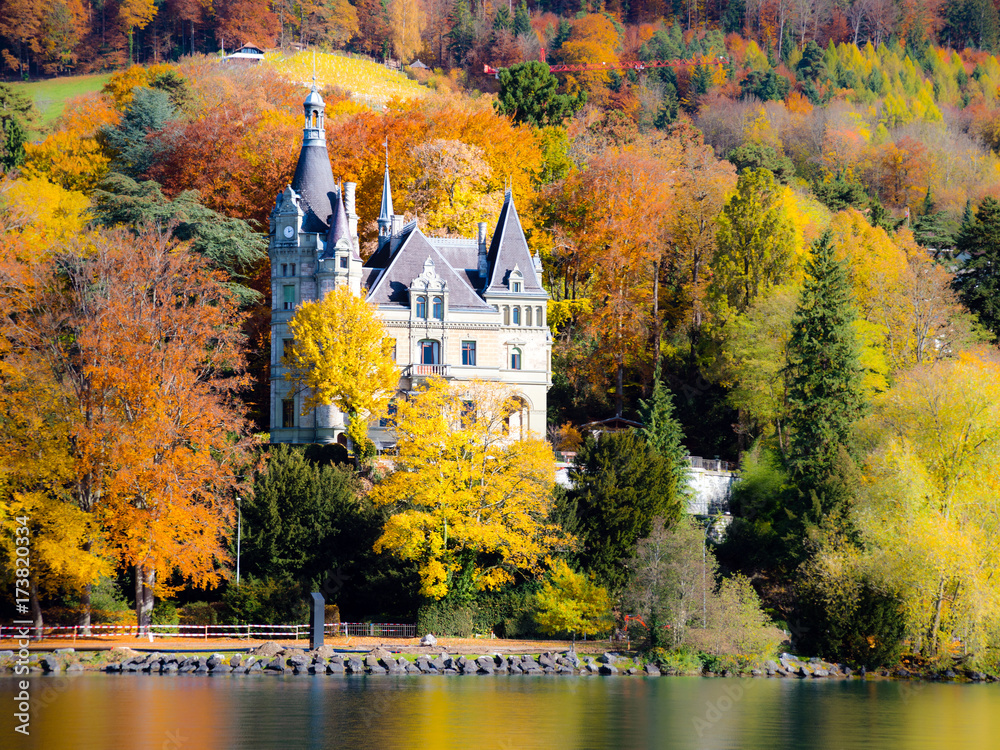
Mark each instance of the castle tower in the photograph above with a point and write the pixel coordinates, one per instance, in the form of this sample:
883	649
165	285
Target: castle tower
313	249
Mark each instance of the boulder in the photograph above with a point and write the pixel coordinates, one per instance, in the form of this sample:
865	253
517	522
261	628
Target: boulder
324	652
169	668
268	650
608	669
214	660
376	669
298	661
335	667
50	664
75	667
608	658
236	660
63	651
428	640
355	665
652	670
632	671
438	664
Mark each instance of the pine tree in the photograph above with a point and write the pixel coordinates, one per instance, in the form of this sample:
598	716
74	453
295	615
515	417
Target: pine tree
522	21
824	386
977	280
664	433
463	34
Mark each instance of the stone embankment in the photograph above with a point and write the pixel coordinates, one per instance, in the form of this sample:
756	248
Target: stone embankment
273	659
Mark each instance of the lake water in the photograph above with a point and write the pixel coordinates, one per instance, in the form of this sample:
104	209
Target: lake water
188	712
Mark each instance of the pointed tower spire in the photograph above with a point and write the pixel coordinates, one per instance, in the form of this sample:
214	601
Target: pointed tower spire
313	178
385	213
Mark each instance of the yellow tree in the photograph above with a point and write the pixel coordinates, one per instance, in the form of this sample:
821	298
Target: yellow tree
35	470
929	510
468	502
341	356
135	14
406	24
570	602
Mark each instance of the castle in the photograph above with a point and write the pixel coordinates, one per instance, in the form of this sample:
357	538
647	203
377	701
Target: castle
461	309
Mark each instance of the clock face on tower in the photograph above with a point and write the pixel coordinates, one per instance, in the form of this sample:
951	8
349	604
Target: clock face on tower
289	231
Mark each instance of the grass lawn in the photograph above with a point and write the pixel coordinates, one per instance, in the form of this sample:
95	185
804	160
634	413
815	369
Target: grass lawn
51	95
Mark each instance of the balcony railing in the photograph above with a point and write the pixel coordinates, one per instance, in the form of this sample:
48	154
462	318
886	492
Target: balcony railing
426	371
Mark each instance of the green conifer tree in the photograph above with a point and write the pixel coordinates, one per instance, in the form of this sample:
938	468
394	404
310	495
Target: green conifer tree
977	280
824	387
522	21
664	433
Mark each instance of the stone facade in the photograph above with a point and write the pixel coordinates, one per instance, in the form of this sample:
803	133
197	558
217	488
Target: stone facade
461	309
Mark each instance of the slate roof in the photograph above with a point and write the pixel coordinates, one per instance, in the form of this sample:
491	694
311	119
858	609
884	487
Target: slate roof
313	181
508	249
407	263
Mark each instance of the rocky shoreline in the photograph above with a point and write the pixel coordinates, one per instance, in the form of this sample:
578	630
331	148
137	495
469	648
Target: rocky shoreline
274	659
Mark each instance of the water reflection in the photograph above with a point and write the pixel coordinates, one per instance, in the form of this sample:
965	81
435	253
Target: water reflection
186	712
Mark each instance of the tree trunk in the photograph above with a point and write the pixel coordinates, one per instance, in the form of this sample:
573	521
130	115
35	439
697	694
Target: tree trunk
36	609
656	312
936	623
145	578
83	621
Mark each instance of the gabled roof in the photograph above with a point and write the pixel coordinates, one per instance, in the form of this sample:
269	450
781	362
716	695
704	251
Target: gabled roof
508	249
408	263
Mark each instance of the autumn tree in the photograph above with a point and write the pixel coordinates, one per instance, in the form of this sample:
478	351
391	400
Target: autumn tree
141	338
755	241
467	502
135	14
406	24
927	513
570	602
341	356
452	190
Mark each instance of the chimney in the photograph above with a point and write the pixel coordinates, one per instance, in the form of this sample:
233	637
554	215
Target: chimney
482	249
352	214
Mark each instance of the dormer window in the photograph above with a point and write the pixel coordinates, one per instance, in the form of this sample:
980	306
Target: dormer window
421	307
515	282
437	308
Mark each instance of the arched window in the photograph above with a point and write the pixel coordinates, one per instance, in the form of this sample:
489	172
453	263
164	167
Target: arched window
517	316
527	316
421	307
438	308
515	359
314	118
430	352
539	318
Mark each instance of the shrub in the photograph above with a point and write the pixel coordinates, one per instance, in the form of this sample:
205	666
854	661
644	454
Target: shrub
445	618
165	613
266	601
680	661
201	613
850	621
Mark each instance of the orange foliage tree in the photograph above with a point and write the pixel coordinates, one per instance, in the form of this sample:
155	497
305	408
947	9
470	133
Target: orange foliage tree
142	340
